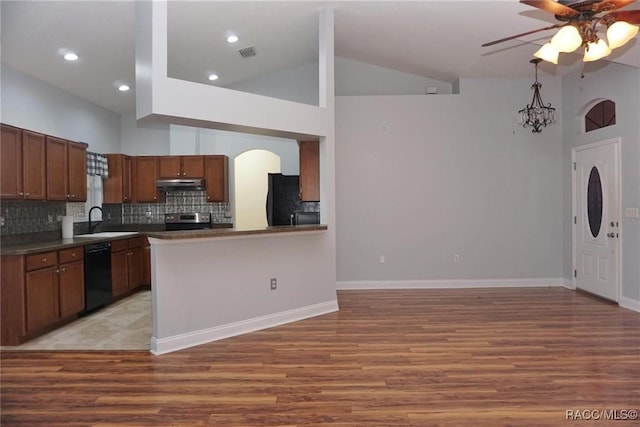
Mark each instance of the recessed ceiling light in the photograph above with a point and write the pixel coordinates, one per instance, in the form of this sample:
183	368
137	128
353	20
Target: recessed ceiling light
213	76
123	88
70	56
232	38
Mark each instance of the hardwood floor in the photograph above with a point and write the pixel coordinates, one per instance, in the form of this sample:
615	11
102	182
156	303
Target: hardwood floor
474	357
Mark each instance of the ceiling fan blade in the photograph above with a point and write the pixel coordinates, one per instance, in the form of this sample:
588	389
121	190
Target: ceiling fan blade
553	7
606	5
629	16
523	34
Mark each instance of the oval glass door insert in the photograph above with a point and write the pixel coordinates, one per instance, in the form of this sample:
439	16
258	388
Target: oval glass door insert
594	202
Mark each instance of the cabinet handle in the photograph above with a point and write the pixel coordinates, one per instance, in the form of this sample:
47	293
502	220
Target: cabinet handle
26	194
44	260
73	254
57	271
62	270
178	173
20	193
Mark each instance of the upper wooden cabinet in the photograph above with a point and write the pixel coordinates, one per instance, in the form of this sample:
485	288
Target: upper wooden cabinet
117	188
23	164
216	178
66	170
181	166
309	171
143	178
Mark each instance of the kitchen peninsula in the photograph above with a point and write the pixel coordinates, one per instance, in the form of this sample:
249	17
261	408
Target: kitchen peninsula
213	284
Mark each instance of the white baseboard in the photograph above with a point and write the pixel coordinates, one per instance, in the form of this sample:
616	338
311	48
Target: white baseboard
203	336
569	284
450	284
630	304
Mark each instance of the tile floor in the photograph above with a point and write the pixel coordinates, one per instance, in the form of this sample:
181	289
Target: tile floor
124	325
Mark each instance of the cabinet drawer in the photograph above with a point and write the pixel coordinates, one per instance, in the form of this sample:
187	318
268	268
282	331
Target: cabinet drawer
70	255
41	260
136	242
119	245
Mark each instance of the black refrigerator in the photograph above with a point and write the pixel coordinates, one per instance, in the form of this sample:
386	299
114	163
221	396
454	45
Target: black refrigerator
284	206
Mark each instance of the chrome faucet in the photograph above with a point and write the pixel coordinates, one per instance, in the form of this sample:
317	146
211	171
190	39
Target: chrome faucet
95	225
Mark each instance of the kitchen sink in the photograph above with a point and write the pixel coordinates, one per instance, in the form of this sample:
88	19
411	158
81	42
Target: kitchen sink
108	234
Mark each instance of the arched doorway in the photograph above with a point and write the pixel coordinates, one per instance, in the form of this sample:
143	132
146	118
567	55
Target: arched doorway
251	184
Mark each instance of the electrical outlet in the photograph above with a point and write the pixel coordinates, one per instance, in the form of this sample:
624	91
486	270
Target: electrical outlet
456	258
147	214
50	219
2	221
382	259
274	283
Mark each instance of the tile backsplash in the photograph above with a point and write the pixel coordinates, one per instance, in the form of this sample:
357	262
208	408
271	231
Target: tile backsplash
176	202
24	217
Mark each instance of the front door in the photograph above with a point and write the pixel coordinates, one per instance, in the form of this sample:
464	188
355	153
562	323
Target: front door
597	226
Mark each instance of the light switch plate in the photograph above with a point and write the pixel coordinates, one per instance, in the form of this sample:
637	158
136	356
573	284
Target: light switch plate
631	213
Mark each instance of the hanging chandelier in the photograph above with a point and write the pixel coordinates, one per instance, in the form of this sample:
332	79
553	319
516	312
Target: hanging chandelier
537	114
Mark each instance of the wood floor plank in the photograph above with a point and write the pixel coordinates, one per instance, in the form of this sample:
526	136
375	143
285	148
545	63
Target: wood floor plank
480	357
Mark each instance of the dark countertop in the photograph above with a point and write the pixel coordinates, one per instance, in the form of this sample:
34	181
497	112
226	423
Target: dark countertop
229	232
80	240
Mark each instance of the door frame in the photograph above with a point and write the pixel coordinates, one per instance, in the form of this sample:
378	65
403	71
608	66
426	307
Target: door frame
616	142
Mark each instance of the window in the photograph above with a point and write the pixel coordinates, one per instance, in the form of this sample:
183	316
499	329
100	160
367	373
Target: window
601	115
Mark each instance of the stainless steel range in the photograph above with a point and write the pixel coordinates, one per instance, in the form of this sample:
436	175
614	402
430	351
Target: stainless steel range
187	221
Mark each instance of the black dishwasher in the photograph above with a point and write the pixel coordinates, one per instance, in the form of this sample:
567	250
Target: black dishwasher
97	275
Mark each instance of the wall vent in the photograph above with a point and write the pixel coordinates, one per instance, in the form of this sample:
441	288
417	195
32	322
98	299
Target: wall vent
247	52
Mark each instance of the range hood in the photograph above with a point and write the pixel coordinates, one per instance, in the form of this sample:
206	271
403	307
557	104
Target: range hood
180	184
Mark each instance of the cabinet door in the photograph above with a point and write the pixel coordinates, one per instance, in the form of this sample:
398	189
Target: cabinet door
57	180
135	267
169	167
77	172
309	171
117	188
144	179
41	294
119	273
71	286
193	166
216	176
11	163
33	170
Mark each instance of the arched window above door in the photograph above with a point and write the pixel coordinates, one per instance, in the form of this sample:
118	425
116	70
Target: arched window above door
601	115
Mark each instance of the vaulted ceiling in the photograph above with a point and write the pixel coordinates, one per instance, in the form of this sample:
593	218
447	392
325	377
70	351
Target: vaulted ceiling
436	39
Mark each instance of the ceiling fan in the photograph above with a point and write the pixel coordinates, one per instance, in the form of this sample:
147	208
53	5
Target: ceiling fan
579	27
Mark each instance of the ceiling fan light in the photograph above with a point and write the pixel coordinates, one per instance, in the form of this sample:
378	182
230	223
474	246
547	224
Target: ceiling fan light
548	53
619	33
596	51
567	39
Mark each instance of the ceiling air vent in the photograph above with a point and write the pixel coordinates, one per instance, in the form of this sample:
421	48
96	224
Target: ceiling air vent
247	52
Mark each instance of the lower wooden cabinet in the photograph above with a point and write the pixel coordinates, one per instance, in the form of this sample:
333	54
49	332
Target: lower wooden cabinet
40	290
126	265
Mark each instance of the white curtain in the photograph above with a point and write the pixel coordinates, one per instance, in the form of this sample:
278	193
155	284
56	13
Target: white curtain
94	196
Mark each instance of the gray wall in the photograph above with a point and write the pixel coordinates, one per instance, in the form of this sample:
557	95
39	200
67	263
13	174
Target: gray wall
32	104
621	84
421	178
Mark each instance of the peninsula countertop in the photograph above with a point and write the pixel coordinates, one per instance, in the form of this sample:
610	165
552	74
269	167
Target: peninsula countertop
80	240
232	232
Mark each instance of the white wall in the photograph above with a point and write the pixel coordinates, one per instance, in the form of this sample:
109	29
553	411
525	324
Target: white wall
421	178
621	84
298	84
32	104
143	139
355	78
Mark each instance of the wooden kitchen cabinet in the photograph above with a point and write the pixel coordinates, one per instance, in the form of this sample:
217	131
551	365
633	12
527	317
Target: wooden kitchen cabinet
309	171
117	188
66	170
126	265
146	263
71	281
181	166
216	176
39	291
23	164
143	179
